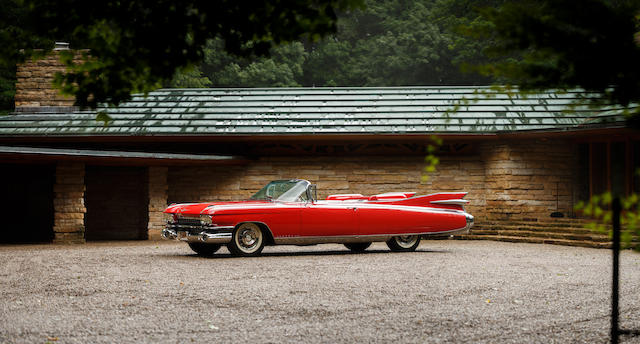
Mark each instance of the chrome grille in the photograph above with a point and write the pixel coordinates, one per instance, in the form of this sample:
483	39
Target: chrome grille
188	221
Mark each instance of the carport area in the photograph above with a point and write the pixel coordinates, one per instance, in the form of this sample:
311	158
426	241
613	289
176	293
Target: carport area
64	195
447	292
26	200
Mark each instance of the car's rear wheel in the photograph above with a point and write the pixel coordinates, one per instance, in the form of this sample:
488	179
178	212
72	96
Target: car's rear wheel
404	243
203	249
247	240
357	246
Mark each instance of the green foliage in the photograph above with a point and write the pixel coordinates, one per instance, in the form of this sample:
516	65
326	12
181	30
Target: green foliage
190	78
431	160
599	208
564	44
104	117
395	43
281	69
136	46
389	43
7	89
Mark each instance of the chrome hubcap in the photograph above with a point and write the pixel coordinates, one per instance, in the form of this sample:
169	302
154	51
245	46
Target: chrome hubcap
406	241
249	237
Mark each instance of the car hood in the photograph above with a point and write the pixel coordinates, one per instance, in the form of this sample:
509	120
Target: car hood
197	208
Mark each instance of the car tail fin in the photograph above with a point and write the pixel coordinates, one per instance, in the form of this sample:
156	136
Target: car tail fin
448	200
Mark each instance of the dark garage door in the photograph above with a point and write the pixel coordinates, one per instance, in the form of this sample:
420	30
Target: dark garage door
117	203
26	200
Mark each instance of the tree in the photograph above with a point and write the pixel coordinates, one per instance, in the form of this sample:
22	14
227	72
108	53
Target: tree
7	88
562	44
393	43
282	68
389	43
565	44
135	46
588	44
189	77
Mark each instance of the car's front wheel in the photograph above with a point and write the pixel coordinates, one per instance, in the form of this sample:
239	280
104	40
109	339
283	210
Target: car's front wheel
247	240
357	246
203	249
404	243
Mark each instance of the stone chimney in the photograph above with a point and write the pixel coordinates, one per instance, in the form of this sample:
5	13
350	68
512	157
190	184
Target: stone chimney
34	84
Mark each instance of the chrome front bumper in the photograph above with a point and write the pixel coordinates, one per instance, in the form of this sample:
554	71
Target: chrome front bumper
209	235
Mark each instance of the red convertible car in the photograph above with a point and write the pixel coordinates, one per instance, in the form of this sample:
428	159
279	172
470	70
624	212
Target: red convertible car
288	212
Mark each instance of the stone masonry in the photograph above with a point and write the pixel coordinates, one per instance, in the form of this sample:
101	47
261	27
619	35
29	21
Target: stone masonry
506	180
333	175
34	90
68	203
157	200
529	179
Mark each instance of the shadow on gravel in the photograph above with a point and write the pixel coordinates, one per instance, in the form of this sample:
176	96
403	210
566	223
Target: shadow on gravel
306	254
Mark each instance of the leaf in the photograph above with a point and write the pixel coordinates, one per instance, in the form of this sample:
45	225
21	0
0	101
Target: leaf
102	116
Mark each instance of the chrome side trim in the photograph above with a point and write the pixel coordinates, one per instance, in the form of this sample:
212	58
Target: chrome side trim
307	240
451	201
363	238
464	230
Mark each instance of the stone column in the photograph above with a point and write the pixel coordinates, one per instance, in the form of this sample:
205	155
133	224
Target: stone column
68	204
158	190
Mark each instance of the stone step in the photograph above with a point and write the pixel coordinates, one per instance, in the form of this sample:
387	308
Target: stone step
546	235
574	230
537	240
575	224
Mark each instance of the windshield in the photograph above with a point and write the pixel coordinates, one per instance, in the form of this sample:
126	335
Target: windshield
283	190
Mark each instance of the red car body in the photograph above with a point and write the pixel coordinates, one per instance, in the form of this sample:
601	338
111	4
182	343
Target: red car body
352	219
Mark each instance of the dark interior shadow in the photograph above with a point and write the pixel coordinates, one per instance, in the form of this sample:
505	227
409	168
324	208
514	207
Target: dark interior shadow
629	333
226	255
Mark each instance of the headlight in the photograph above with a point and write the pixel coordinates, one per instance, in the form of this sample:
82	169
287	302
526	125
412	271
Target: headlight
168	217
205	219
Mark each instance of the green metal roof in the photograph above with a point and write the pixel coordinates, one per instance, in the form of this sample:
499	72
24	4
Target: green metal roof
318	111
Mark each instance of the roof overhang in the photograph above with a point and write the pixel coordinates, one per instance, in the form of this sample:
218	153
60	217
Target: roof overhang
37	154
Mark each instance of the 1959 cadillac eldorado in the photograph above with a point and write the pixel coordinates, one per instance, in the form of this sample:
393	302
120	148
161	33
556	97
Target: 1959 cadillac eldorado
288	212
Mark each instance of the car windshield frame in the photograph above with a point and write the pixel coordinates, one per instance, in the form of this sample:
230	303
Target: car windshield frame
292	190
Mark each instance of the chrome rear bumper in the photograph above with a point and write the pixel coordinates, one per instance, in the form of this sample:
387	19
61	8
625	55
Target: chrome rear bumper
210	235
470	221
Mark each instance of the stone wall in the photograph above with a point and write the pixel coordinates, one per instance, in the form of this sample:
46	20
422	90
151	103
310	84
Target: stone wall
365	175
68	203
34	89
530	179
506	180
157	200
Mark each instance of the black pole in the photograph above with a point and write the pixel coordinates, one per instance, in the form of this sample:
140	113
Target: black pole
615	207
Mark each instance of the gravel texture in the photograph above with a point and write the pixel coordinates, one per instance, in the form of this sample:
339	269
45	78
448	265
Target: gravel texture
447	291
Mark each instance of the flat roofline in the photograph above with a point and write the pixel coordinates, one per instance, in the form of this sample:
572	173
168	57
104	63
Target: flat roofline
107	156
367	137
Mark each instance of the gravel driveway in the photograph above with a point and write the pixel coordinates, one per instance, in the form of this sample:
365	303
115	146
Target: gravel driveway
447	291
